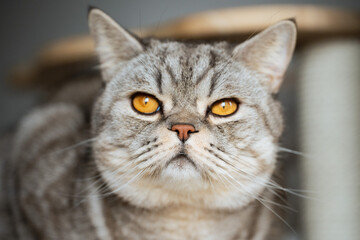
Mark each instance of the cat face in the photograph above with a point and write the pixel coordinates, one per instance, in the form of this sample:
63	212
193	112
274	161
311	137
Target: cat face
183	123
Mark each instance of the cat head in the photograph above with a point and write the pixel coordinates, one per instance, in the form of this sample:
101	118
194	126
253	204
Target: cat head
184	123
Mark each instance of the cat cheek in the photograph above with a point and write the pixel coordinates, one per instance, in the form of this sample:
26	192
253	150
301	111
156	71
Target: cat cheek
266	149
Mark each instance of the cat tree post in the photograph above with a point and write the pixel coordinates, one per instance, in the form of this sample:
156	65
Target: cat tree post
329	87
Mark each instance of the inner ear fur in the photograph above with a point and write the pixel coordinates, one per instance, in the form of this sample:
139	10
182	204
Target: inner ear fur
269	52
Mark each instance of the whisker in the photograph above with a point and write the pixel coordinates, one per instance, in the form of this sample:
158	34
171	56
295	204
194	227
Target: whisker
136	177
96	179
282	149
160	18
254	196
278	216
144	149
123	169
140	35
75	145
263	203
270	184
266	22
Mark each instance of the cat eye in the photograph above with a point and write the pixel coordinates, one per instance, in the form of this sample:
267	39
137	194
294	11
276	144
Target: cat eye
145	103
224	107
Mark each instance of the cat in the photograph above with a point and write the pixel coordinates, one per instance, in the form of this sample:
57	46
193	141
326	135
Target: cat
181	143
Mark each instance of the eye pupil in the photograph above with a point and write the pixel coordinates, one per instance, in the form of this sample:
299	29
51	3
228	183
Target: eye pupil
223	105
146	100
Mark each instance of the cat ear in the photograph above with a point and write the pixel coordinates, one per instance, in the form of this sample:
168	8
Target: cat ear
269	52
114	45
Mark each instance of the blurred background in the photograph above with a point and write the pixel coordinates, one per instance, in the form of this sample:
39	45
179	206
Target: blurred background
320	147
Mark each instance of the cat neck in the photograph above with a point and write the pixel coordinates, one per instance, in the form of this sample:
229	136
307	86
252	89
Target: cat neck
183	222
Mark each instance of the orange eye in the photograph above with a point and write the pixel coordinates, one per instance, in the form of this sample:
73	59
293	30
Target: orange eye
145	103
224	107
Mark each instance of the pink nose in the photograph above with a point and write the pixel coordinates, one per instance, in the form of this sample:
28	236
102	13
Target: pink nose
183	130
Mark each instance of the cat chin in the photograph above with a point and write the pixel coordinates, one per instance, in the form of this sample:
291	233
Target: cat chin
180	173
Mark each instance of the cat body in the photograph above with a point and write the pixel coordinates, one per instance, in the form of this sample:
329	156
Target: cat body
181	144
69	205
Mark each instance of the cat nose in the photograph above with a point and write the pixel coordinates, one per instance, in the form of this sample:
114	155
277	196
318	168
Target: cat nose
183	131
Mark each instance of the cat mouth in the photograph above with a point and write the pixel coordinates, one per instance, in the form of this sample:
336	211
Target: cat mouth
181	161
